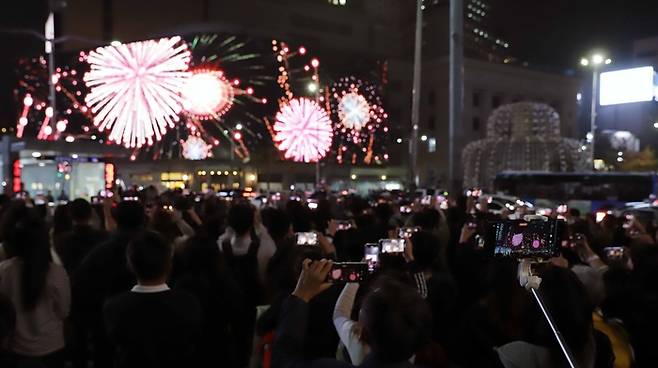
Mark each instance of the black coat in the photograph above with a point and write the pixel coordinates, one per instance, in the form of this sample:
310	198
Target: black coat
161	329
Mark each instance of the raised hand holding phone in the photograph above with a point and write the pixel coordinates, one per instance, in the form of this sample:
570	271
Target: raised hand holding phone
313	279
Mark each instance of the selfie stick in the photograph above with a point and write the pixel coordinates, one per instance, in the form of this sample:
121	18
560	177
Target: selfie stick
531	282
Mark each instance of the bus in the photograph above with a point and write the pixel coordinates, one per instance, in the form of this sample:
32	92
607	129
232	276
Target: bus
588	191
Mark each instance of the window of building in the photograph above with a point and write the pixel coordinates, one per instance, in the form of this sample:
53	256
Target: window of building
431	97
476	123
431	123
431	145
495	101
476	99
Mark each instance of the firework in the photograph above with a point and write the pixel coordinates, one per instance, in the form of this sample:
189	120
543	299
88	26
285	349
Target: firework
303	130
353	111
195	148
135	88
361	135
207	94
227	74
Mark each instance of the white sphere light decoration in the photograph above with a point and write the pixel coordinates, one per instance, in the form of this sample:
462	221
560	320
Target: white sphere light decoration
195	148
353	111
207	94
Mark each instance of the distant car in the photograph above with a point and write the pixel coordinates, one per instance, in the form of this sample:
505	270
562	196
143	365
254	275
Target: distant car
497	202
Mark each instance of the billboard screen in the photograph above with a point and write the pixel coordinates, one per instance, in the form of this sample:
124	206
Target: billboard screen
628	85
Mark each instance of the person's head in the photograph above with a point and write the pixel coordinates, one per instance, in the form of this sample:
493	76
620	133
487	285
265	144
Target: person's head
162	222
7	322
241	218
566	299
202	256
427	219
396	321
80	211
426	249
129	216
62	220
149	257
277	223
26	237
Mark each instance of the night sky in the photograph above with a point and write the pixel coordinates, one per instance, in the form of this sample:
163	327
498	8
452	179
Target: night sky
545	33
556	33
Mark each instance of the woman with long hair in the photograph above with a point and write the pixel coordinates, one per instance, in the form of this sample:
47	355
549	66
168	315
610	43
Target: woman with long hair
38	288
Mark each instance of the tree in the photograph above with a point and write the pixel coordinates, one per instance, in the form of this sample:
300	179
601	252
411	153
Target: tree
644	160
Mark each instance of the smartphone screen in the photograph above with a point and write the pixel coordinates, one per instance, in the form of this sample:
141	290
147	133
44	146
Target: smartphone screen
405	209
392	245
522	239
348	272
371	255
407	232
614	253
308	238
343	225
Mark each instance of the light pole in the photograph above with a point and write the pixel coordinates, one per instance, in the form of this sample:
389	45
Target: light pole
415	98
594	62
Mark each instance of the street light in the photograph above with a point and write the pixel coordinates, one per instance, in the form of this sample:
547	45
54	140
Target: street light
595	62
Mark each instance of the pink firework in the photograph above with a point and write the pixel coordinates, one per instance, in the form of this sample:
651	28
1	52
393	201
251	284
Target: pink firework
303	130
135	88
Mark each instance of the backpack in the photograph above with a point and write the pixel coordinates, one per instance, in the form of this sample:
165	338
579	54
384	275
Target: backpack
245	270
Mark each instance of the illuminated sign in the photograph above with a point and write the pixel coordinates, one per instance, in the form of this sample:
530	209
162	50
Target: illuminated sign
16	182
628	85
109	176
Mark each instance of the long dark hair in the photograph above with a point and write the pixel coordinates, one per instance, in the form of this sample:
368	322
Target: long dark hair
26	237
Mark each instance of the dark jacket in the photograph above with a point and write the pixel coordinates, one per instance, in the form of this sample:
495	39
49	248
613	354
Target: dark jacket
160	329
102	274
290	336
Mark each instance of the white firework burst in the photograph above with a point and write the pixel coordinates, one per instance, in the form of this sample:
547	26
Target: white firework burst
195	148
353	111
135	88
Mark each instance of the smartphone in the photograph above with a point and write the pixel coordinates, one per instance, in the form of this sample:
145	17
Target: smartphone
313	205
348	272
600	216
371	255
562	209
308	238
528	239
407	232
405	209
614	253
392	245
343	225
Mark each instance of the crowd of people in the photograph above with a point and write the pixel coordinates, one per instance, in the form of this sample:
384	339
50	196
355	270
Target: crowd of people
184	280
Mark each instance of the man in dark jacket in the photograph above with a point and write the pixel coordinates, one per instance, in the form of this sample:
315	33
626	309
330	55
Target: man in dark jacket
395	321
103	274
151	325
72	247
